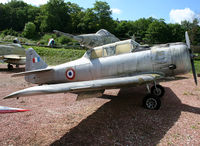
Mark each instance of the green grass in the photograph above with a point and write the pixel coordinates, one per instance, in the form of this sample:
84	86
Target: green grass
197	66
53	56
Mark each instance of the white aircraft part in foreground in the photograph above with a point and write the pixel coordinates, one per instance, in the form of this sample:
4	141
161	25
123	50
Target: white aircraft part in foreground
5	109
115	65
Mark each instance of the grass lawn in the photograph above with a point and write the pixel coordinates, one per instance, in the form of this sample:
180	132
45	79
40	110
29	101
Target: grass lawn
197	66
53	56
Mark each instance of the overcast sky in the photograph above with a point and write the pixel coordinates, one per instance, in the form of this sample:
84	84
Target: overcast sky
173	11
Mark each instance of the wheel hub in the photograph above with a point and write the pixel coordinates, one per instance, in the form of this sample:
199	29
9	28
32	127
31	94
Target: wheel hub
151	103
157	91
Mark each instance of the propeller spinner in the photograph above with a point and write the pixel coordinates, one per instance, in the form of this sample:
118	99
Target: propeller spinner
191	57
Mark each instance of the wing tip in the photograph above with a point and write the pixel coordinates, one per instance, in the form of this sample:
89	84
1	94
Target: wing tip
13	111
5	109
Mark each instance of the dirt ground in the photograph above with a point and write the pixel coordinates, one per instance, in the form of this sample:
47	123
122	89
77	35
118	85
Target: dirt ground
117	118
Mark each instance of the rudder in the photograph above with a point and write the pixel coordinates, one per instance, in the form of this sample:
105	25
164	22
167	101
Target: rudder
34	61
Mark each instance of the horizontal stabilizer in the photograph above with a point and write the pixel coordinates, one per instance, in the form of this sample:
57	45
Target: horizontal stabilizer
32	72
4	109
87	85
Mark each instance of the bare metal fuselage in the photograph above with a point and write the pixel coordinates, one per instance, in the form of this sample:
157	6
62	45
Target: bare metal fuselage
12	54
169	60
10	49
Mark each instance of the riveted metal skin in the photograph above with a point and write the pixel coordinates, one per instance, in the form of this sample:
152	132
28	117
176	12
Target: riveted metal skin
113	65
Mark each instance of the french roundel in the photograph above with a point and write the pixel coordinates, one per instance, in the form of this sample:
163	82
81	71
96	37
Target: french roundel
70	74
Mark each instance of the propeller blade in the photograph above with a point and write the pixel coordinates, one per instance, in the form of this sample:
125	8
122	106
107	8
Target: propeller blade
187	39
194	71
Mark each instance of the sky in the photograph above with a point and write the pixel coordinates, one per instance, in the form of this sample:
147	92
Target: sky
173	11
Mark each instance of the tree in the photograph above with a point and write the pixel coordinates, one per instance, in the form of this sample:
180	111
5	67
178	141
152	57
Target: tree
176	33
193	29
140	28
103	13
88	22
16	13
29	30
157	32
122	29
54	15
76	13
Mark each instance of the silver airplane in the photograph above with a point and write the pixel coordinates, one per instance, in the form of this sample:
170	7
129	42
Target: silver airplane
13	54
116	65
101	37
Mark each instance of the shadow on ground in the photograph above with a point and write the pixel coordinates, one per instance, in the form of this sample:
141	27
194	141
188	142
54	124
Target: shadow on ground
124	121
14	70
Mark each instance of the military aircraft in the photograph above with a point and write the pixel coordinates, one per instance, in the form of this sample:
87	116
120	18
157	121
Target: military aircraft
116	65
101	37
13	54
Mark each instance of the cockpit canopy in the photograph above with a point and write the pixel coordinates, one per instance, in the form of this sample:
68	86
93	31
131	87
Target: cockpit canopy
103	32
113	49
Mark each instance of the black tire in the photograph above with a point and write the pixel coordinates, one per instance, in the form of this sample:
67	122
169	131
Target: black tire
159	92
10	67
151	102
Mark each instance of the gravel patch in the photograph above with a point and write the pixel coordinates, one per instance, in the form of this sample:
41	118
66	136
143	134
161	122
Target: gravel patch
117	118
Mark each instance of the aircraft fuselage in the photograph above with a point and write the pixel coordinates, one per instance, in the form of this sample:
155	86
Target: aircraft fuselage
169	59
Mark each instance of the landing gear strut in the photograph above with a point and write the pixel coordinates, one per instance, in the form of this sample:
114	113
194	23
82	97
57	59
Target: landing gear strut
152	100
10	67
157	90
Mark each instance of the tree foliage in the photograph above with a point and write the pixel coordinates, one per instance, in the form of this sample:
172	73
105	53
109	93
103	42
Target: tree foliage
54	15
29	30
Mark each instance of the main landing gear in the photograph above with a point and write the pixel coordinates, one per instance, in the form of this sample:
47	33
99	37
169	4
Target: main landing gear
10	67
152	100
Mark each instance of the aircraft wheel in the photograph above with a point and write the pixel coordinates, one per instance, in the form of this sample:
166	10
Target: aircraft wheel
17	65
158	91
10	67
151	102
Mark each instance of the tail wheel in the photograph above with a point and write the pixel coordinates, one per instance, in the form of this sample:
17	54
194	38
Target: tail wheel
158	91
151	102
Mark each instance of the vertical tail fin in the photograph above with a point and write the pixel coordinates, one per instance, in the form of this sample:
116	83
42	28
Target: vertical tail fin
34	61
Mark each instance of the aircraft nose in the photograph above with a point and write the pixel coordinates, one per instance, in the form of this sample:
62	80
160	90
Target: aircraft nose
181	58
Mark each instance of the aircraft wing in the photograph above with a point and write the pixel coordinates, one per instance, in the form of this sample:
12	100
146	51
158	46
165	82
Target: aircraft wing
13	57
110	83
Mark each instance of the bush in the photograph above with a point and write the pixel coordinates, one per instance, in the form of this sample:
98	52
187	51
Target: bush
9	32
10	38
63	40
29	30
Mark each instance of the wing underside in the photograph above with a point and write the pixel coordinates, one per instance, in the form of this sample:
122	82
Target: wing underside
13	57
87	85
